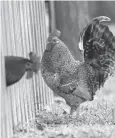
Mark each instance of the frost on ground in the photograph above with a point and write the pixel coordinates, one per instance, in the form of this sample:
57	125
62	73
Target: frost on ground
96	119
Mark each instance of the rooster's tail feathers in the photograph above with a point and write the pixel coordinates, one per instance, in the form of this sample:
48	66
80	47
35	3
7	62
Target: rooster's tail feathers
85	33
98	44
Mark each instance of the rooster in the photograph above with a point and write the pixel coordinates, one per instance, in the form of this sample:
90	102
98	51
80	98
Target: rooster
17	66
76	81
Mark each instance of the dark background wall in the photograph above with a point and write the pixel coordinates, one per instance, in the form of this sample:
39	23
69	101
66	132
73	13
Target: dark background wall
97	8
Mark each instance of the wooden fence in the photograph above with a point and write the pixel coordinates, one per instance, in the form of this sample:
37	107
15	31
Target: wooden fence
23	30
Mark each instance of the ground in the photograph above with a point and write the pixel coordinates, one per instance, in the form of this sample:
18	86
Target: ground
96	120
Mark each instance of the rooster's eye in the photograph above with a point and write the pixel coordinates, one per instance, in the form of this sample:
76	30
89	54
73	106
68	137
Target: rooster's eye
55	41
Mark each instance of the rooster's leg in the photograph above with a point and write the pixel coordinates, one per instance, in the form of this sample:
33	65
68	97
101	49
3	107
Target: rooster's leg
74	112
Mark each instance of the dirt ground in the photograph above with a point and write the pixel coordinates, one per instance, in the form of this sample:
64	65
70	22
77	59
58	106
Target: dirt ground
96	119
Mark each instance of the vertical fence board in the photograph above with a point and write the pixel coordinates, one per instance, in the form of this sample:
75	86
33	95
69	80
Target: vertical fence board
5	116
23	31
52	15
